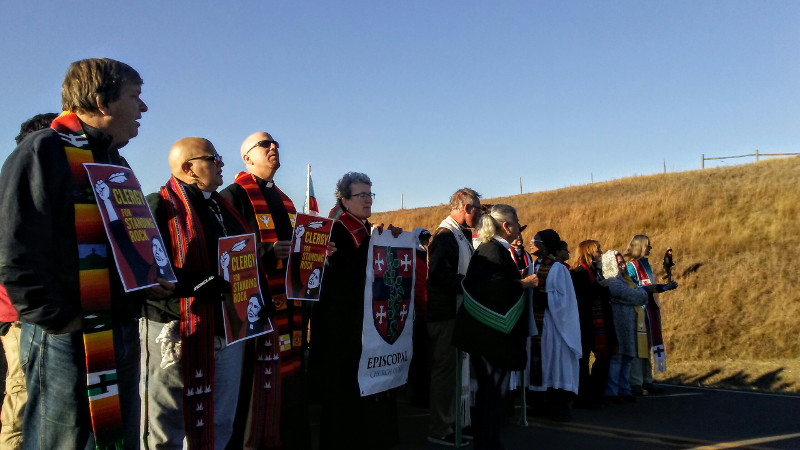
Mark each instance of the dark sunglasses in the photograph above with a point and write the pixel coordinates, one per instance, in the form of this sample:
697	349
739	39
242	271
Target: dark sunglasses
216	158
266	143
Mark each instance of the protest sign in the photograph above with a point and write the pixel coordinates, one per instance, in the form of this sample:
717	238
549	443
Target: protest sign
307	258
138	248
244	314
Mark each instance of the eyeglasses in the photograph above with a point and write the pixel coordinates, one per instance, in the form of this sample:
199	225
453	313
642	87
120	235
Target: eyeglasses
215	158
266	143
364	195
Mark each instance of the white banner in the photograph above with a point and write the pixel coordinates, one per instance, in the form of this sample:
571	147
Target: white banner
386	347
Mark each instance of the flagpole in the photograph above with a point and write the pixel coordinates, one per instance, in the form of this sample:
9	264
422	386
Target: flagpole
307	207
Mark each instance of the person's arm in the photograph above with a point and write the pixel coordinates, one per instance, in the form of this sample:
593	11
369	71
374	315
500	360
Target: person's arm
38	226
621	293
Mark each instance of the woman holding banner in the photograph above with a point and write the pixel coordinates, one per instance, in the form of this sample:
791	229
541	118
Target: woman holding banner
491	324
348	420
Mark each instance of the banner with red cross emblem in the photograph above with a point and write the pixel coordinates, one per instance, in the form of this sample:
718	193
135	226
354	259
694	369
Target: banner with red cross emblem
388	312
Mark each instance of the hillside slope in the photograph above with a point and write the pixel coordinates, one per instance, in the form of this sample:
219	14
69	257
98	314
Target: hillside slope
735	233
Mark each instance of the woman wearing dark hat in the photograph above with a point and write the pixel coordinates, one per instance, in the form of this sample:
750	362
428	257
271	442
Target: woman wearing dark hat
557	349
491	325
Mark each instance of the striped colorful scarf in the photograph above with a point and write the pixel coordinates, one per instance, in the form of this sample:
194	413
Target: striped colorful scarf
653	312
95	291
539	307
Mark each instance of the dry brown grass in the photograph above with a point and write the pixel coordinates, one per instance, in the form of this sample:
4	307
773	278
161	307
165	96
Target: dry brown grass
735	232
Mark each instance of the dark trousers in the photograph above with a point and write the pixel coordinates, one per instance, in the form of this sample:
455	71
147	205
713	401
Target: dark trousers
419	372
489	416
592	385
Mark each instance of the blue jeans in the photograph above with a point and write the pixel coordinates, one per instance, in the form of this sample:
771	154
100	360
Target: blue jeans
57	411
618	374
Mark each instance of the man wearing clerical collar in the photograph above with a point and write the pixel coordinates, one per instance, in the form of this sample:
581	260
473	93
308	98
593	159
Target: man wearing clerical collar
48	224
271	214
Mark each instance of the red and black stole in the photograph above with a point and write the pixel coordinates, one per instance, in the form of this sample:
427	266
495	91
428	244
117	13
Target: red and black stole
357	228
522	262
600	342
189	252
263	426
653	311
95	291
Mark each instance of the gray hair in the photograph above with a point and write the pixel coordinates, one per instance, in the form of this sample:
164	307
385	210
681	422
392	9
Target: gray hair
493	221
344	187
463	196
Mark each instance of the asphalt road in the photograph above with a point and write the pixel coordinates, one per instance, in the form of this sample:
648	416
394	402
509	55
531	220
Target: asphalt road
682	417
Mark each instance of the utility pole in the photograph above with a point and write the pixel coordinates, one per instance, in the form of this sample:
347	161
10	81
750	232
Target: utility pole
520	185
665	165
401	201
591	177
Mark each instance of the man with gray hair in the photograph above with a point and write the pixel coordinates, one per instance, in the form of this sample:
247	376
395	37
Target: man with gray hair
77	322
448	257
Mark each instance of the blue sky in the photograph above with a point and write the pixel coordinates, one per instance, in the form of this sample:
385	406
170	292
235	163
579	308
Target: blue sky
429	96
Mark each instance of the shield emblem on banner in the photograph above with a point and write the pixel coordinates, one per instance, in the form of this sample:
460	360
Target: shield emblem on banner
391	290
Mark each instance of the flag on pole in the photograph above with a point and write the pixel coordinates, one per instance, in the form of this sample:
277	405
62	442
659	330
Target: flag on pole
310	206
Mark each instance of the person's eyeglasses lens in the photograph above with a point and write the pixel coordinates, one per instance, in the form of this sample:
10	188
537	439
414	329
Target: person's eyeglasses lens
216	158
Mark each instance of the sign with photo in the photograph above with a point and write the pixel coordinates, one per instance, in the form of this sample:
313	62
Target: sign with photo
139	252
244	314
307	258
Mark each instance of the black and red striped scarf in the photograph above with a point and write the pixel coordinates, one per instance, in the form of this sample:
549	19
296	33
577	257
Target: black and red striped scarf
263	425
288	317
358	229
600	339
653	311
197	332
197	317
95	291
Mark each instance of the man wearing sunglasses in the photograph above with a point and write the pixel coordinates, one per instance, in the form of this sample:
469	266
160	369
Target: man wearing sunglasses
271	215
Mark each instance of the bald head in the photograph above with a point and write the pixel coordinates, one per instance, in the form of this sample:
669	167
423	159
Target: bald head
260	155
191	160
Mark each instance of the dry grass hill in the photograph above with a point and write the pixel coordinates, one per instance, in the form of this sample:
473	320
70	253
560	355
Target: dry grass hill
735	234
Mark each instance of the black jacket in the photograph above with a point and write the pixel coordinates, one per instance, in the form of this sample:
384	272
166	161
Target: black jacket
38	248
444	281
494	281
165	310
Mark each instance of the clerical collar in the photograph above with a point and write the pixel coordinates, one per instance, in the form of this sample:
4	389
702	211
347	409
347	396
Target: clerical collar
269	184
502	241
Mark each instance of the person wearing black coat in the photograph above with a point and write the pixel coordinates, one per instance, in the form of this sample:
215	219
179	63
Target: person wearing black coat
490	325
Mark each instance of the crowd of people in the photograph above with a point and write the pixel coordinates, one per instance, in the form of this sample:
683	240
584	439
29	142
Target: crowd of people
91	365
532	321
